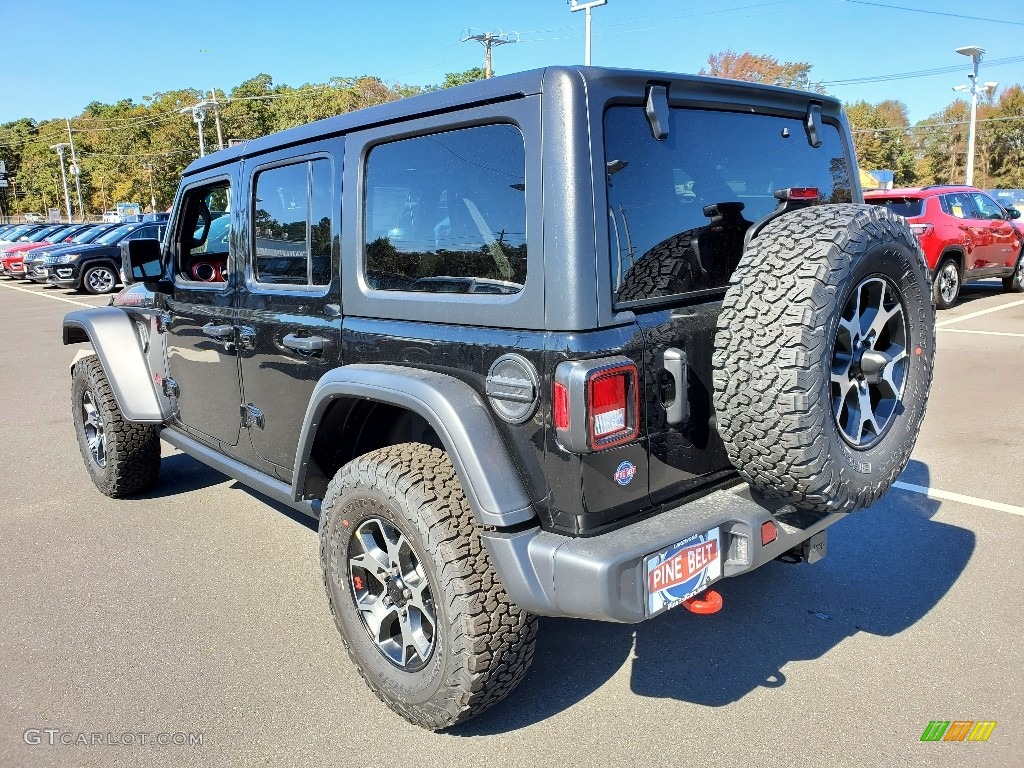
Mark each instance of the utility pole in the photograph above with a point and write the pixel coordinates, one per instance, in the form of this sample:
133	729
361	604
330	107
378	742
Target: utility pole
576	5
198	115
152	192
490	40
216	117
75	171
67	198
975	52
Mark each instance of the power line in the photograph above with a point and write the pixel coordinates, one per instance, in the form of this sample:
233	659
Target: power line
937	13
917	73
925	126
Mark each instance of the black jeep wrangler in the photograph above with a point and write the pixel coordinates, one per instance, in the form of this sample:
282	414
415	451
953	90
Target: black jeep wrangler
573	342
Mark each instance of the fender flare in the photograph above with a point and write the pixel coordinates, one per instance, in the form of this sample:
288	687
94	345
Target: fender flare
111	332
456	413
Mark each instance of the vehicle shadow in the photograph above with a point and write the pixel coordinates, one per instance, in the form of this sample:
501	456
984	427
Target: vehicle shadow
771	617
180	473
973	291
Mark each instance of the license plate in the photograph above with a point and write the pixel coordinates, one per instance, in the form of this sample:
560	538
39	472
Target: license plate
682	571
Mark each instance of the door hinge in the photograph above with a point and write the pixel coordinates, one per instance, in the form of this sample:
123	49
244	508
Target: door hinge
252	416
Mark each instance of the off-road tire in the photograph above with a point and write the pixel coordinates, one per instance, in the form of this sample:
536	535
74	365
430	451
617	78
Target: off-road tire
668	268
132	455
774	353
940	301
484	643
1015	282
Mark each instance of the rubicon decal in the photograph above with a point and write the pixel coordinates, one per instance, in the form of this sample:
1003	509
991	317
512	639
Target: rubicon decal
624	473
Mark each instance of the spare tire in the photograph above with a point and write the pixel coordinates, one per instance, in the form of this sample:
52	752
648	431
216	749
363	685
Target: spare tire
823	356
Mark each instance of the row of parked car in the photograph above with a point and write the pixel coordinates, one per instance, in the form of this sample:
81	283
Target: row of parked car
82	256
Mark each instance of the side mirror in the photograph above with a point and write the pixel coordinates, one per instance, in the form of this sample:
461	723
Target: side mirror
1014	213
140	260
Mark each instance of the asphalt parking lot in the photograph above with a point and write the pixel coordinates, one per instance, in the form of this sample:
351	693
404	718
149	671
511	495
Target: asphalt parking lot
199	609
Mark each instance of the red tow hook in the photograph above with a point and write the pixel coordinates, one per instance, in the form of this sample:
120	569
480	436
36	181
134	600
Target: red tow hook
704	604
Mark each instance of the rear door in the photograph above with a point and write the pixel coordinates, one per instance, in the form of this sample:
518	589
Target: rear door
289	306
679	209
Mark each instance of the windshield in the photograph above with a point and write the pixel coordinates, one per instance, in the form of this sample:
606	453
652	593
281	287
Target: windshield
14	234
678	209
115	234
59	234
42	234
907	207
89	235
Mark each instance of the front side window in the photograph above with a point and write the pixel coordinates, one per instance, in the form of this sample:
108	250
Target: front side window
988	207
292	223
446	213
205	234
678	209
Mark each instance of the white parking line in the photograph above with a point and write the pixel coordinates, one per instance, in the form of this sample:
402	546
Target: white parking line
983	333
47	295
979	313
974	501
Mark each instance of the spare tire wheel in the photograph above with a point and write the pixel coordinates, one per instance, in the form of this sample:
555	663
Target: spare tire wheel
823	356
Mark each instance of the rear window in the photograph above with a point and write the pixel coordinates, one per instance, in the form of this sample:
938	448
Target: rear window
908	207
678	209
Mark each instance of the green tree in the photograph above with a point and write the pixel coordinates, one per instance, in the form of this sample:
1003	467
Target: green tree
880	139
461	78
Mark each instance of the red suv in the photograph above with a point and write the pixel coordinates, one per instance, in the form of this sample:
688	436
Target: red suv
965	234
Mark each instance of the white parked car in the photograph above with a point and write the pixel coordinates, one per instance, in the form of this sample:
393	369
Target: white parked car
111	217
34	218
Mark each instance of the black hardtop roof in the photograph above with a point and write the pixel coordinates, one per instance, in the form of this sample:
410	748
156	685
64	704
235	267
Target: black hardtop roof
479	92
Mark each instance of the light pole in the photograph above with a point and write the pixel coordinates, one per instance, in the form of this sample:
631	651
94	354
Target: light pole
199	115
975	52
75	171
67	198
152	193
576	5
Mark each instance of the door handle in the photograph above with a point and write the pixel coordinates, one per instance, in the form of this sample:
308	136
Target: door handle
674	361
219	331
308	345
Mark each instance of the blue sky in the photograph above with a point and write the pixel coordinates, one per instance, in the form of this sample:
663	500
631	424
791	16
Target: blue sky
60	56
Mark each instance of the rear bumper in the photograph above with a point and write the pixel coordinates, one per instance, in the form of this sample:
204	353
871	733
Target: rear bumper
602	577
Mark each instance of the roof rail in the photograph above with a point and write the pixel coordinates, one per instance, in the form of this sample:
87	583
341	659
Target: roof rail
939	186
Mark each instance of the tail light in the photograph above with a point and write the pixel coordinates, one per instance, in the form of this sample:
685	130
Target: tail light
596	403
921	230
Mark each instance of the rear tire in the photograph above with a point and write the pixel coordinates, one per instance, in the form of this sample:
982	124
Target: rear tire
420	610
823	356
947	283
122	457
1015	282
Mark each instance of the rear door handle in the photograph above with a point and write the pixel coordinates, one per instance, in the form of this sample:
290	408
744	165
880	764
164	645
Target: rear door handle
219	331
674	361
306	344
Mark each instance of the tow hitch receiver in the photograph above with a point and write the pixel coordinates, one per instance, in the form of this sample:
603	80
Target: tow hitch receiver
707	603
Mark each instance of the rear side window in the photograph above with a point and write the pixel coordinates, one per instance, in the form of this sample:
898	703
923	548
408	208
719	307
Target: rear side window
292	224
678	209
446	213
907	207
958	205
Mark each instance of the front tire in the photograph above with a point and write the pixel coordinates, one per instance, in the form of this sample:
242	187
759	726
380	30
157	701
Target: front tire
99	280
122	457
1015	282
413	593
947	284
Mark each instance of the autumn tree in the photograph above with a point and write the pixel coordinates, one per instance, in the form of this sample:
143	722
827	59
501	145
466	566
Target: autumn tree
756	68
